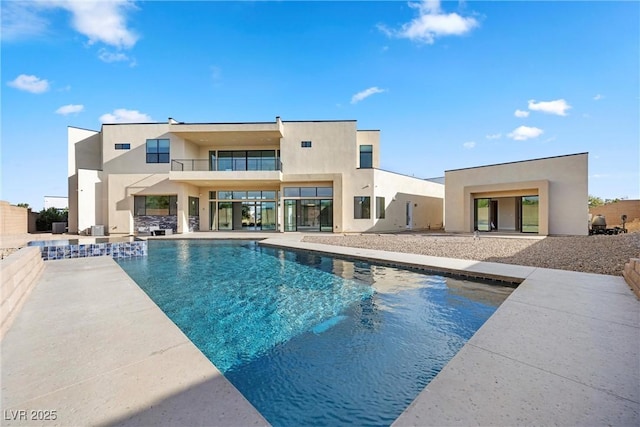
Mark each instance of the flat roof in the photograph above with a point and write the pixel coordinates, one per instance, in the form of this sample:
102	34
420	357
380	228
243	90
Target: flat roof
517	161
230	123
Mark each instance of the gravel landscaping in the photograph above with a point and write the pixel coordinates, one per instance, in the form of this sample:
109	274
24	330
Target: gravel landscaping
601	254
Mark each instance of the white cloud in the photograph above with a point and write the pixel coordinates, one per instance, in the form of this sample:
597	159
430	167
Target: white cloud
598	97
494	136
432	23
523	133
122	115
100	21
521	113
469	145
558	107
30	83
70	109
21	19
365	94
107	56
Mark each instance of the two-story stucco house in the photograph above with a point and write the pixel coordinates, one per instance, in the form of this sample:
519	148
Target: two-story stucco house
276	176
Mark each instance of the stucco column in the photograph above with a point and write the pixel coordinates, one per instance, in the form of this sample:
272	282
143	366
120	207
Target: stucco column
183	210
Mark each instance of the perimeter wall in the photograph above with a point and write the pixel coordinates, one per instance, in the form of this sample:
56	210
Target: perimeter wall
613	211
13	219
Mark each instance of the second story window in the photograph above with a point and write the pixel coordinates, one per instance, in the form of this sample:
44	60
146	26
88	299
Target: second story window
157	151
366	156
305	144
123	146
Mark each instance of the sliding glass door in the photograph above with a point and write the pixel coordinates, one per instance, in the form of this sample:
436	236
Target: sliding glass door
481	221
308	215
529	214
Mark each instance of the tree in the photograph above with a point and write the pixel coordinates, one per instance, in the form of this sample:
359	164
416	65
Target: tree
23	205
595	201
49	216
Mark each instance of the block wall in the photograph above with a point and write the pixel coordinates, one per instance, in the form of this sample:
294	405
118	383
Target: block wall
20	272
631	274
13	219
613	211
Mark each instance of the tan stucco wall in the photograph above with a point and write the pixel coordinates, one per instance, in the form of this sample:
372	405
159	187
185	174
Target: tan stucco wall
613	211
332	160
84	152
369	137
426	198
135	159
90	200
506	213
561	182
13	219
333	147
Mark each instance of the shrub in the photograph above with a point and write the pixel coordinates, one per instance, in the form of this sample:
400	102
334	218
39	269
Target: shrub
49	216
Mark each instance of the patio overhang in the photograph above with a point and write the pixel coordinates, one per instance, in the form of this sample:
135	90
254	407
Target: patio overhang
230	134
230	179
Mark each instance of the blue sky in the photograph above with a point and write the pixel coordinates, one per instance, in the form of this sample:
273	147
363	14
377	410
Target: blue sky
450	85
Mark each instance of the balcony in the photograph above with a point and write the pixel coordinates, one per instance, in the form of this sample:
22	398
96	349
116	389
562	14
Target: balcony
227	164
226	171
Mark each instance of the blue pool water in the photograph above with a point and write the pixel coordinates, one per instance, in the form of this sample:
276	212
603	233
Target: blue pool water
309	339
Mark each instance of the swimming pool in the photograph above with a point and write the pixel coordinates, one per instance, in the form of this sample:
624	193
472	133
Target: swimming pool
310	339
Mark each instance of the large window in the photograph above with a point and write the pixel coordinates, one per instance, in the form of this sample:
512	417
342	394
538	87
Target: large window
366	156
254	160
155	205
361	207
308	192
157	151
380	207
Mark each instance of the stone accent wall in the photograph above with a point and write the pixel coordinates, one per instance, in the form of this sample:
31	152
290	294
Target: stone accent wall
194	223
631	274
613	211
142	223
13	219
20	272
137	248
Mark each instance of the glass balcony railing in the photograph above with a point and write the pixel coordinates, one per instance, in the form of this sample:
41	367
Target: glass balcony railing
226	164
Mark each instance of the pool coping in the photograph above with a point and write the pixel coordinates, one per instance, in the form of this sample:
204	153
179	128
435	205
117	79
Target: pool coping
562	349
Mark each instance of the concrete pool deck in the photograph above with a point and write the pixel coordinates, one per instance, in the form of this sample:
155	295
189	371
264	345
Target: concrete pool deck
563	349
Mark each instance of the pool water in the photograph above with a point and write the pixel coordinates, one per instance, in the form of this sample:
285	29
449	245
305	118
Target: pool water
310	339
